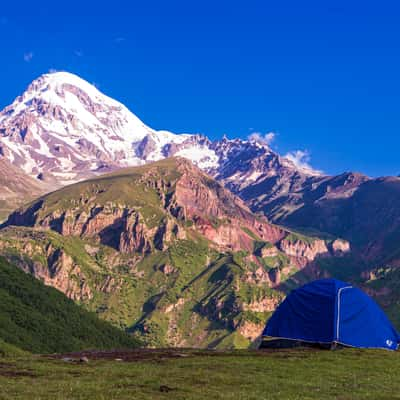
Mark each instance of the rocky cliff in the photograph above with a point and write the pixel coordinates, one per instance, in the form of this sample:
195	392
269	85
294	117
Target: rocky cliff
160	202
163	250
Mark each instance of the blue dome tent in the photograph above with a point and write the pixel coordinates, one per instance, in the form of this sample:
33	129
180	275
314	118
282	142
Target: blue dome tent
329	312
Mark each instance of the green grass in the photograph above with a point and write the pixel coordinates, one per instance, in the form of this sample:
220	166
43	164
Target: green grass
281	375
294	237
9	350
260	244
250	233
312	232
346	268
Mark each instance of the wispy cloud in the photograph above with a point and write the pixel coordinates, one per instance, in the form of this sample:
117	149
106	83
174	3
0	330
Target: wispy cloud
262	138
302	159
78	53
28	56
119	39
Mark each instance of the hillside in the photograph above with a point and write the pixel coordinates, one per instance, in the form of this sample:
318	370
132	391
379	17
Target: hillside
62	129
40	319
164	251
9	350
364	211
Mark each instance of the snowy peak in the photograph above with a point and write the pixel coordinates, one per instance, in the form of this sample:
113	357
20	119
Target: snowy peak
74	95
61	88
76	104
65	128
62	129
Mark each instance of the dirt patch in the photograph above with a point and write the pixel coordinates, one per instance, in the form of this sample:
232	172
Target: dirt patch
166	389
160	355
10	371
156	355
74	373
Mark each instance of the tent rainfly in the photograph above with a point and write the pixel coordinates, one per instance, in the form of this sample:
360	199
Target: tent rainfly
330	312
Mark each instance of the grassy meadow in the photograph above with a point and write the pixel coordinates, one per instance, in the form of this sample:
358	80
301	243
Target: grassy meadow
143	374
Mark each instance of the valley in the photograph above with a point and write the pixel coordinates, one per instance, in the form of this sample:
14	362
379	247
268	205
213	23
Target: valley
165	252
176	239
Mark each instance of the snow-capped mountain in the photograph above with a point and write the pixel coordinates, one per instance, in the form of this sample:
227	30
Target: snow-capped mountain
62	129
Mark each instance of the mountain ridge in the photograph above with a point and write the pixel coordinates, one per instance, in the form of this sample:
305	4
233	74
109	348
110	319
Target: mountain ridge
99	237
63	129
164	251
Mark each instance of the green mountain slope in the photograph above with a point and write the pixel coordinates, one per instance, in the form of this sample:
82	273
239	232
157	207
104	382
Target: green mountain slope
9	350
40	319
164	251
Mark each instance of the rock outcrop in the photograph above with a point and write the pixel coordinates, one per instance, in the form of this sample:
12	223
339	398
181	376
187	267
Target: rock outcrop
49	263
303	249
182	195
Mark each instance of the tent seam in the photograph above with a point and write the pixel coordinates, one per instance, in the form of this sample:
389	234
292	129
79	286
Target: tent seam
338	311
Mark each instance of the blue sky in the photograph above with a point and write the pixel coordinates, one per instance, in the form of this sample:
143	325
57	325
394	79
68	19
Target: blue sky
324	76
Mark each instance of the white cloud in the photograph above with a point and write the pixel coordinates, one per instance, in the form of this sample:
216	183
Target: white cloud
28	56
265	139
301	159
